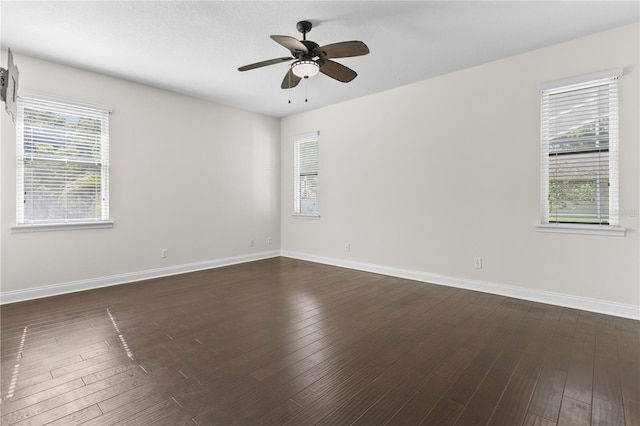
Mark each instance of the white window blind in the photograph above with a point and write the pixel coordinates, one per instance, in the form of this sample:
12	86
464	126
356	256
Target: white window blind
306	174
62	161
579	136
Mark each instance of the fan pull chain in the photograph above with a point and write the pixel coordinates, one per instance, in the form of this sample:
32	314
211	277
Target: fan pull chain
289	75
306	86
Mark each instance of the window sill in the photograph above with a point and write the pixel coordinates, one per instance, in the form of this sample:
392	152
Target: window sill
568	228
306	216
46	227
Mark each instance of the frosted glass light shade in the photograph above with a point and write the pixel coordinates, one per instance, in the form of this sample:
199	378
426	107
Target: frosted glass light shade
305	69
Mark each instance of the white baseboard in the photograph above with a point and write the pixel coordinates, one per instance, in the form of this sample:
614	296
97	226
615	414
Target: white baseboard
548	297
552	298
91	283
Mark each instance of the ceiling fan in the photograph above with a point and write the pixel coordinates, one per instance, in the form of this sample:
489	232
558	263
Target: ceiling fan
310	58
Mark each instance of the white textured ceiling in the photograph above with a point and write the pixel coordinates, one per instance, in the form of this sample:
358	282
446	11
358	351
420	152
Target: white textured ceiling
195	47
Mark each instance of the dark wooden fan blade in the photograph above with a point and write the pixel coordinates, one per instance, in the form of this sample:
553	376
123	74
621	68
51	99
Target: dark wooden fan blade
265	63
290	80
290	43
344	49
337	71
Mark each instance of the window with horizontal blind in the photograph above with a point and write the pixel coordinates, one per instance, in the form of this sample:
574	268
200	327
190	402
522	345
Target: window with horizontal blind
305	165
62	162
579	136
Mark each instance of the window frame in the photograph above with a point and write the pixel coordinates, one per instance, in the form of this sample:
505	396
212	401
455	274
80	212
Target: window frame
564	86
298	141
64	106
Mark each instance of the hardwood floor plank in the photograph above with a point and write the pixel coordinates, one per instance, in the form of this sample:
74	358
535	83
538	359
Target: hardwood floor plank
37	368
45	409
281	413
574	413
515	399
22	382
629	367
321	401
108	372
162	413
579	384
445	413
396	375
292	358
482	404
605	413
606	345
328	362
336	371
127	411
465	386
632	412
82	416
547	396
422	401
173	381
252	403
23	407
533	420
214	395
607	384
513	405
406	402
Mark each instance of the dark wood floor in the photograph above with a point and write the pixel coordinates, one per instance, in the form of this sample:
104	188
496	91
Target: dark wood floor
282	341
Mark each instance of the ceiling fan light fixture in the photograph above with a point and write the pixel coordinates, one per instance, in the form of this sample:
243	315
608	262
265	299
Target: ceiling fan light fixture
305	68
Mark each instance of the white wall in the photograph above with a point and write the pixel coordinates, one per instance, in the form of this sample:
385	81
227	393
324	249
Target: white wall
427	176
199	179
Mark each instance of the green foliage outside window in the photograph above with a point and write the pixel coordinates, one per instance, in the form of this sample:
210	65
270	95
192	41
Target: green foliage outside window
62	166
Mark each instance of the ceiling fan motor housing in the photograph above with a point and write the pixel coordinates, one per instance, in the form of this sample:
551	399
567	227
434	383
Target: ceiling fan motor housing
311	46
304	27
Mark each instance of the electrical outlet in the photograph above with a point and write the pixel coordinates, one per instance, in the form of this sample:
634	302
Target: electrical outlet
477	262
253	243
347	246
269	240
164	253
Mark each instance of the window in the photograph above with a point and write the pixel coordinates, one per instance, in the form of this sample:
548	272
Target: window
579	136
305	163
62	164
